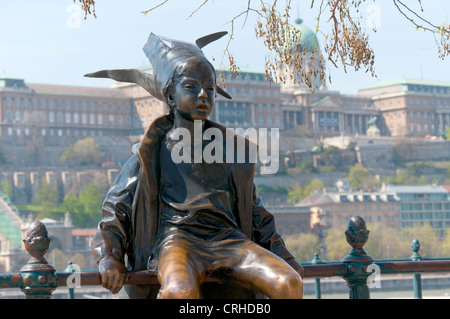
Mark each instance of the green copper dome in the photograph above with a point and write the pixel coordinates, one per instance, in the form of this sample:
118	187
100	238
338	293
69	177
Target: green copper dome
307	40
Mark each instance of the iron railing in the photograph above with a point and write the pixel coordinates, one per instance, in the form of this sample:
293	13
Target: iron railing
38	279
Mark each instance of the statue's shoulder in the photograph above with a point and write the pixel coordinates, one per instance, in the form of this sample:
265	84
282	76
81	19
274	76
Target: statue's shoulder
154	133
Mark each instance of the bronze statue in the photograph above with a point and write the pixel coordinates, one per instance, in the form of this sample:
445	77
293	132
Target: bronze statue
189	219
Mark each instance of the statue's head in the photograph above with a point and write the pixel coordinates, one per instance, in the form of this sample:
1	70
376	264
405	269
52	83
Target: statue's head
192	89
172	59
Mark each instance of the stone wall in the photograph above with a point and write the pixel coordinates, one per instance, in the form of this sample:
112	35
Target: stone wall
21	153
25	182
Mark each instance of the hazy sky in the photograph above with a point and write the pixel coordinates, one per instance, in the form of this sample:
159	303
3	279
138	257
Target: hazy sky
48	41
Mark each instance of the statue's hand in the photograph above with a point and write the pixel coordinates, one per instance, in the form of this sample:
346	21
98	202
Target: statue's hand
113	273
297	267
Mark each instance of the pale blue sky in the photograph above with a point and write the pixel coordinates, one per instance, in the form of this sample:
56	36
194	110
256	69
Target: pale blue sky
47	41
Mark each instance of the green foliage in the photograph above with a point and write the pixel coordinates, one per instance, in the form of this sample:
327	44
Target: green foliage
85	210
306	167
446	244
405	177
430	244
76	209
47	211
59	259
352	146
332	159
303	246
46	193
3	159
6	188
83	152
304	131
360	178
92	199
402	152
447	134
417	168
277	189
335	243
385	243
390	243
298	192
282	169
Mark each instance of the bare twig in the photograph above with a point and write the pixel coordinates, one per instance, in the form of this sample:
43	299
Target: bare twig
147	11
443	31
193	12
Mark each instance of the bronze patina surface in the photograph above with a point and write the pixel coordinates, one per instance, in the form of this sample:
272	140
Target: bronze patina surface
186	220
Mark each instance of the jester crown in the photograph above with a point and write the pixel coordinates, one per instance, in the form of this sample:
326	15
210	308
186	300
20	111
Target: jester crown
165	55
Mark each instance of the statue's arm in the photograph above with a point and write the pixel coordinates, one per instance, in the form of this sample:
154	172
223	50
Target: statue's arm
266	235
113	233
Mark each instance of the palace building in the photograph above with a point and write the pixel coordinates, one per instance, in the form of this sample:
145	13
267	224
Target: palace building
398	108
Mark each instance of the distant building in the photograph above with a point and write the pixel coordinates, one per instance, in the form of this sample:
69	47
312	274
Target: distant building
44	112
291	219
395	206
423	204
413	108
333	209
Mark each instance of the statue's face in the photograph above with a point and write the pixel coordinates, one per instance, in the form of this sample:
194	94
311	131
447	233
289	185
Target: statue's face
194	91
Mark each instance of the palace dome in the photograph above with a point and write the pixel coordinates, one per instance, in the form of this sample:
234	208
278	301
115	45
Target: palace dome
307	39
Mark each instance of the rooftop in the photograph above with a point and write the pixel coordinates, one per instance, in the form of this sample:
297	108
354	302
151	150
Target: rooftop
422	189
334	196
402	81
77	90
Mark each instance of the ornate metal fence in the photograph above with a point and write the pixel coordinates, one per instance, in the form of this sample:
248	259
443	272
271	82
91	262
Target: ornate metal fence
38	279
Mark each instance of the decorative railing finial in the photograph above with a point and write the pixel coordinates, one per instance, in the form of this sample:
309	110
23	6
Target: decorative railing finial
357	235
357	259
38	276
417	281
415	246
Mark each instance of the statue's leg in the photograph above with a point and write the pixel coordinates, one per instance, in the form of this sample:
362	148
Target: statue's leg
258	269
179	273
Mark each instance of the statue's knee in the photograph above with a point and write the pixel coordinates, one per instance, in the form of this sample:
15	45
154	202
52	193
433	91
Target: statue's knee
179	290
290	286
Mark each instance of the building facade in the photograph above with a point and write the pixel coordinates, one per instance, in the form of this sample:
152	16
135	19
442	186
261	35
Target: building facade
333	209
398	108
45	111
423	204
394	206
414	108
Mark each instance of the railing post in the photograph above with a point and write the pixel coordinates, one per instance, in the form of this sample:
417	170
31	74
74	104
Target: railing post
357	235
417	280
316	260
38	276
